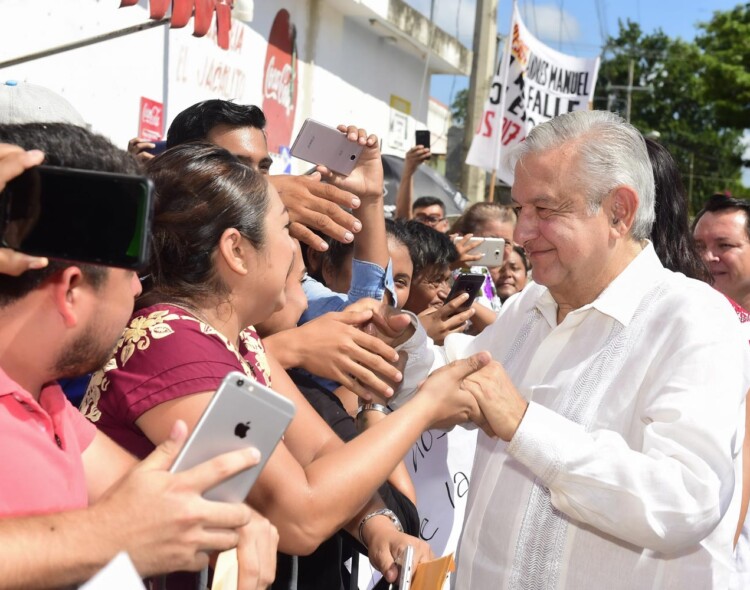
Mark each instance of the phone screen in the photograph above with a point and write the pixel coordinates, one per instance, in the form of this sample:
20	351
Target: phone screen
469	283
422	138
79	215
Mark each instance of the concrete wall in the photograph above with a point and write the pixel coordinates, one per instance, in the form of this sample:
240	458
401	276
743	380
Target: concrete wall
348	69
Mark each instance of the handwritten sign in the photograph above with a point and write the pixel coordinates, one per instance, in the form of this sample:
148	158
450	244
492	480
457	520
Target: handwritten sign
533	83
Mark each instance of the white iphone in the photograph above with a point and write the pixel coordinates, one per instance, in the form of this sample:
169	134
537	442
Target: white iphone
323	145
492	249
242	413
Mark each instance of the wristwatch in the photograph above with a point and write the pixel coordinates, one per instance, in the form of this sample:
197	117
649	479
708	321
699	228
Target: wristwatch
387	512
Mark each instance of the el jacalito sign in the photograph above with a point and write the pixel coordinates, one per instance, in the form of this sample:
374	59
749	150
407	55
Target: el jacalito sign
204	11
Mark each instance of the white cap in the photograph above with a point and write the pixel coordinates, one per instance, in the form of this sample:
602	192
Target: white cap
21	102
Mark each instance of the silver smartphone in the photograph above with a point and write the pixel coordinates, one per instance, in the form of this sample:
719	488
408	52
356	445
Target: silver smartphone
492	250
323	145
242	413
407	568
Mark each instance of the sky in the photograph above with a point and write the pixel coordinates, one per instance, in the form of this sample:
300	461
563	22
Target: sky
575	27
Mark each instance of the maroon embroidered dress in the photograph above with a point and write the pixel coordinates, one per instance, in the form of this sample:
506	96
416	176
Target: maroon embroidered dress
165	353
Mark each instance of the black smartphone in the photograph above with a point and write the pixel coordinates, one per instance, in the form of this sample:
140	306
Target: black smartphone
160	147
78	215
466	282
422	137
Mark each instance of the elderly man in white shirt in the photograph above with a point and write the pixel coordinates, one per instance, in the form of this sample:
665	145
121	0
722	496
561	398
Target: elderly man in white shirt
617	404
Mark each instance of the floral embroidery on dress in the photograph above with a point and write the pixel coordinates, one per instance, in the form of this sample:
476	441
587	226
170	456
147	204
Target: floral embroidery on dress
139	334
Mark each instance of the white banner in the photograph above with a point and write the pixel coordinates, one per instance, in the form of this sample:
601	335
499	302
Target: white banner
533	83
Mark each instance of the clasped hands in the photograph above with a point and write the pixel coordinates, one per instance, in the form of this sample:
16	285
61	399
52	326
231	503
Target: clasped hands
475	389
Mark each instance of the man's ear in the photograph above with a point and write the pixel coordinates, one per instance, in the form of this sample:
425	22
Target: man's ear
623	206
67	293
234	250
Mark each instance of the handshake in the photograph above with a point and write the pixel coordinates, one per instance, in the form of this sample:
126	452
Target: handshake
475	389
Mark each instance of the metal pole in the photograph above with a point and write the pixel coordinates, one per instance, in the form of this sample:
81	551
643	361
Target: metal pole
85	42
482	68
631	68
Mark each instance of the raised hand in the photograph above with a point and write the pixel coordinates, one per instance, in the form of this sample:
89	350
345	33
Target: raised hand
438	322
464	247
315	205
366	180
13	161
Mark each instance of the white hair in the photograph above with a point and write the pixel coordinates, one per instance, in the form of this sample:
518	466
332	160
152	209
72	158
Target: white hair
612	153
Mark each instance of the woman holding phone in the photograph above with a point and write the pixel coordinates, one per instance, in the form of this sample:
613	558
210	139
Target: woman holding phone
221	254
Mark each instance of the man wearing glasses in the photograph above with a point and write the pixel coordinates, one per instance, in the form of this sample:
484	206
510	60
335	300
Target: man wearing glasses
430	211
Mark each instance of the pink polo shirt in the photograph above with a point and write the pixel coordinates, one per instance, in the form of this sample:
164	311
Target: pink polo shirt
41	470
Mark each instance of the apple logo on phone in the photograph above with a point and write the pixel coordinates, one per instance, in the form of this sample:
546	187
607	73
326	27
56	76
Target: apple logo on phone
241	429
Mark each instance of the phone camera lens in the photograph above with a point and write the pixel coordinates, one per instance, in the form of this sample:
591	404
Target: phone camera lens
240	382
352	157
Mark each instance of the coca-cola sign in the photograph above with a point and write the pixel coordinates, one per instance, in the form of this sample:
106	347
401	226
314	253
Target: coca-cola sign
151	120
202	10
280	82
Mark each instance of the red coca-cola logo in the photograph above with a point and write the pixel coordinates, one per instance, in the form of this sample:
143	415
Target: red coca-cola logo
151	120
280	82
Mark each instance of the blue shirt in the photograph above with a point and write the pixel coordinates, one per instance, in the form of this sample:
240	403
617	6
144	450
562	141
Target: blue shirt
368	280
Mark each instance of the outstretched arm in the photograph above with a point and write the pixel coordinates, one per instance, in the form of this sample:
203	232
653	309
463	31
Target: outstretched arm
414	157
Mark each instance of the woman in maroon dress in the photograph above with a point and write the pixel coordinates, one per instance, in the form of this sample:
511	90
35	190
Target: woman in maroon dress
221	256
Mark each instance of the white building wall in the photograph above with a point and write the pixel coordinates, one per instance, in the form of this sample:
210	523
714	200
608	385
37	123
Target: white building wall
347	70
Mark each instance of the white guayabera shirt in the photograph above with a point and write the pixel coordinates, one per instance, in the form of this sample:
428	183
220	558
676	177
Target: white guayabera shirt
625	470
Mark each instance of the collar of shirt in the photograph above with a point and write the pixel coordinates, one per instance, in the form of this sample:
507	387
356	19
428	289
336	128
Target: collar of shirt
621	297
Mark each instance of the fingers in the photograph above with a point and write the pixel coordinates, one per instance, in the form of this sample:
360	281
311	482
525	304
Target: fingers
212	472
462	368
303	234
256	553
162	457
14	160
16	263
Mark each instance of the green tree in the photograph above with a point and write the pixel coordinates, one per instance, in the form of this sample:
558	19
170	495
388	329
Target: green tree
677	107
726	45
460	107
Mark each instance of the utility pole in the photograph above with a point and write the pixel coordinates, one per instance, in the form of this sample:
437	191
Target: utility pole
629	89
482	69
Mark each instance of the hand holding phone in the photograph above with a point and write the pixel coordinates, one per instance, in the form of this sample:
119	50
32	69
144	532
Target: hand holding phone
422	137
326	146
470	283
492	250
79	215
242	413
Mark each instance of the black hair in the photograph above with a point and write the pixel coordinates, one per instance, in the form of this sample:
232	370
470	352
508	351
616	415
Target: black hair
423	202
722	202
670	233
195	122
201	190
338	252
397	229
522	253
429	247
70	146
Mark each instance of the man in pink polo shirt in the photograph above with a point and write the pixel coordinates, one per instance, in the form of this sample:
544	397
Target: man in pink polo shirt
70	498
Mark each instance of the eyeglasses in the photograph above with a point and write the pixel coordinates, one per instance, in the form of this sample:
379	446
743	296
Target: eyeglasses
429	219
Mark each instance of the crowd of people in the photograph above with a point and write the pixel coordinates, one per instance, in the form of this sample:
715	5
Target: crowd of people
602	370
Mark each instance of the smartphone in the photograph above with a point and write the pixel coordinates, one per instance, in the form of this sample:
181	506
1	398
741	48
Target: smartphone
407	568
242	413
160	147
492	249
323	145
422	137
466	282
78	215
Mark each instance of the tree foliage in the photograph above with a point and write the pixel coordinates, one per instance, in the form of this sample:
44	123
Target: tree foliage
726	45
678	105
460	107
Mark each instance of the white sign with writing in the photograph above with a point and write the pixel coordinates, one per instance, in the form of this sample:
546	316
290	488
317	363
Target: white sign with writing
533	83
